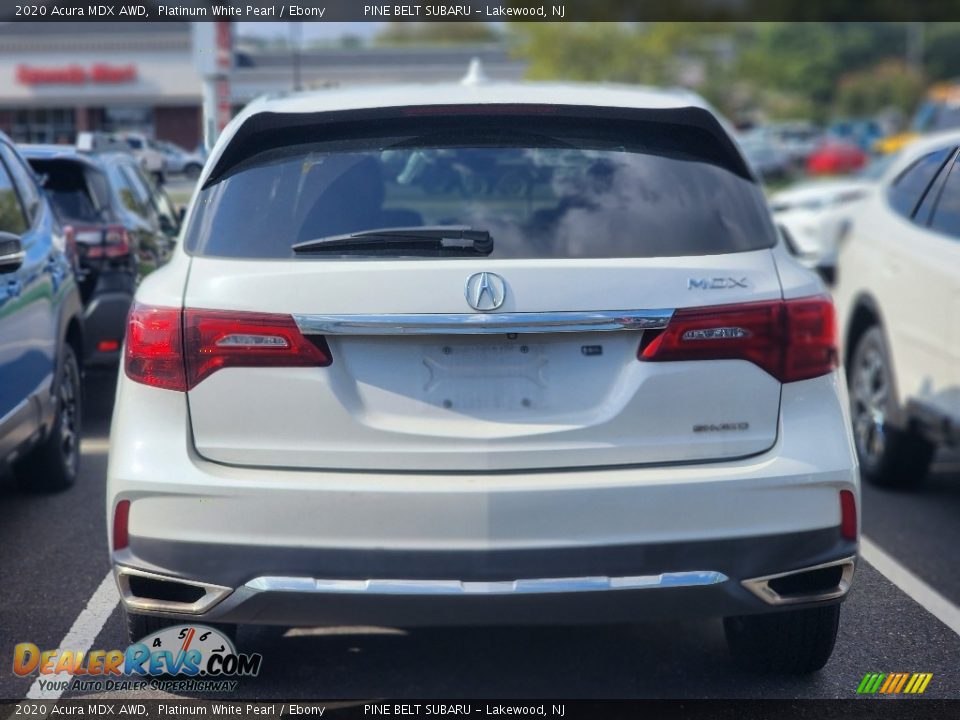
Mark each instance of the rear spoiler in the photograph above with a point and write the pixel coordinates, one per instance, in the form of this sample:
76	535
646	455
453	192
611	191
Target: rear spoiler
691	132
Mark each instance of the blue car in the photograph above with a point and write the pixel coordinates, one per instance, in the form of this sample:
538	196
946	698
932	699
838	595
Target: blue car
41	334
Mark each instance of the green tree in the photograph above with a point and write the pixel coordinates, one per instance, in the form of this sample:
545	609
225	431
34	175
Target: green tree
942	50
797	69
695	54
891	84
614	52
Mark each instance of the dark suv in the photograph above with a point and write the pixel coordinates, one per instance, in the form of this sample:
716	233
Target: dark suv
124	228
41	335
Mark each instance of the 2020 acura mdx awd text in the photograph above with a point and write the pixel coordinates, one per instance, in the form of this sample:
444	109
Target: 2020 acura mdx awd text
490	354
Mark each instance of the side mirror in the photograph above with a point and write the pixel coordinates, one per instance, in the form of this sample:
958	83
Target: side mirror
11	252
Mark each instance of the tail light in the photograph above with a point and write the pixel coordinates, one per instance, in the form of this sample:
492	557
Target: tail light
216	339
115	243
154	354
121	525
70	240
176	349
790	339
848	515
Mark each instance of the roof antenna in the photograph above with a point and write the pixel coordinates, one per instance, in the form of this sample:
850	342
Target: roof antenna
475	74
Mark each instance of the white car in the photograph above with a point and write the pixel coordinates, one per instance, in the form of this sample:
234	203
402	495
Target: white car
147	151
898	292
178	161
151	156
807	212
799	139
505	353
812	214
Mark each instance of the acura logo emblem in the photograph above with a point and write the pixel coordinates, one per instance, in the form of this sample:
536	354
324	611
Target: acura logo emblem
485	291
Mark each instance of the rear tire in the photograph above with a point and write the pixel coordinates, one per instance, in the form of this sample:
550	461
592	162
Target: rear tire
795	641
889	457
139	626
54	464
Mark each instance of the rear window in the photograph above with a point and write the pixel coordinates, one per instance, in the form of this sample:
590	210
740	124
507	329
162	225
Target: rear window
543	187
78	192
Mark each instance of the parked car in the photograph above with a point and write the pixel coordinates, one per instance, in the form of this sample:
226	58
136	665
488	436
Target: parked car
798	139
41	334
862	132
178	161
810	214
939	112
898	289
766	159
151	158
604	394
836	157
121	234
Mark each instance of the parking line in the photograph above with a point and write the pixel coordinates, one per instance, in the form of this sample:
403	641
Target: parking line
81	636
922	593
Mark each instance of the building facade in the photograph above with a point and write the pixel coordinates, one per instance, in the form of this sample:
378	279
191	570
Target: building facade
58	79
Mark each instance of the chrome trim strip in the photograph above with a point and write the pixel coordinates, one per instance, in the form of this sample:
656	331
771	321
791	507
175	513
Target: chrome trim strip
13	260
212	593
505	587
483	323
760	586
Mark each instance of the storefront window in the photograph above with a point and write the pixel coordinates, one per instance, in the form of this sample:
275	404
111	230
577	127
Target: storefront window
130	118
44	125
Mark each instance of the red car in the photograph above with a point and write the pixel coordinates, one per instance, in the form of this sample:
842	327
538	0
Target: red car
836	157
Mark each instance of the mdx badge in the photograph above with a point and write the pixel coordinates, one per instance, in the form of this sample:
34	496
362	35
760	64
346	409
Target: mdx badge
485	291
716	283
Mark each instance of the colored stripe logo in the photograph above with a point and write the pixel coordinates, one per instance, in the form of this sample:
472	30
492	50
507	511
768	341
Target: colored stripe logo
894	683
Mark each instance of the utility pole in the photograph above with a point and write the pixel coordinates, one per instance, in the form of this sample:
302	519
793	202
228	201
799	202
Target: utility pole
213	56
296	33
915	42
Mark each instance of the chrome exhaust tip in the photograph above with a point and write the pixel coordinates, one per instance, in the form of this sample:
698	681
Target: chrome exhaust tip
143	590
828	581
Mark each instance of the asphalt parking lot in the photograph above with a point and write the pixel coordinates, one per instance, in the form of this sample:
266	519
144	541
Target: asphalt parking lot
53	559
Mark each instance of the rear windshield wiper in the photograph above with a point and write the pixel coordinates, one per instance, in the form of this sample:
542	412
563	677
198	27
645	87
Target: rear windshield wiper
440	237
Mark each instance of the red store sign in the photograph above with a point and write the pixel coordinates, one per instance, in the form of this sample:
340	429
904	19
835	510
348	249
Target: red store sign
100	73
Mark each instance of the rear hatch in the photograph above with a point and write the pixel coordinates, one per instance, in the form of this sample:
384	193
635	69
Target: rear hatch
424	349
80	194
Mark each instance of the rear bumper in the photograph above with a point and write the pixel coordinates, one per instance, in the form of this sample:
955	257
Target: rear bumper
558	586
313	532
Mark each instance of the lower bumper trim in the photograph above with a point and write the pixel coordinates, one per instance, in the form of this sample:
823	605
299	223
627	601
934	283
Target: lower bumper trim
696	578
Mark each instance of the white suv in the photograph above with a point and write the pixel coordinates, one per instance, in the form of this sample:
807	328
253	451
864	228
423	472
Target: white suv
489	354
899	293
